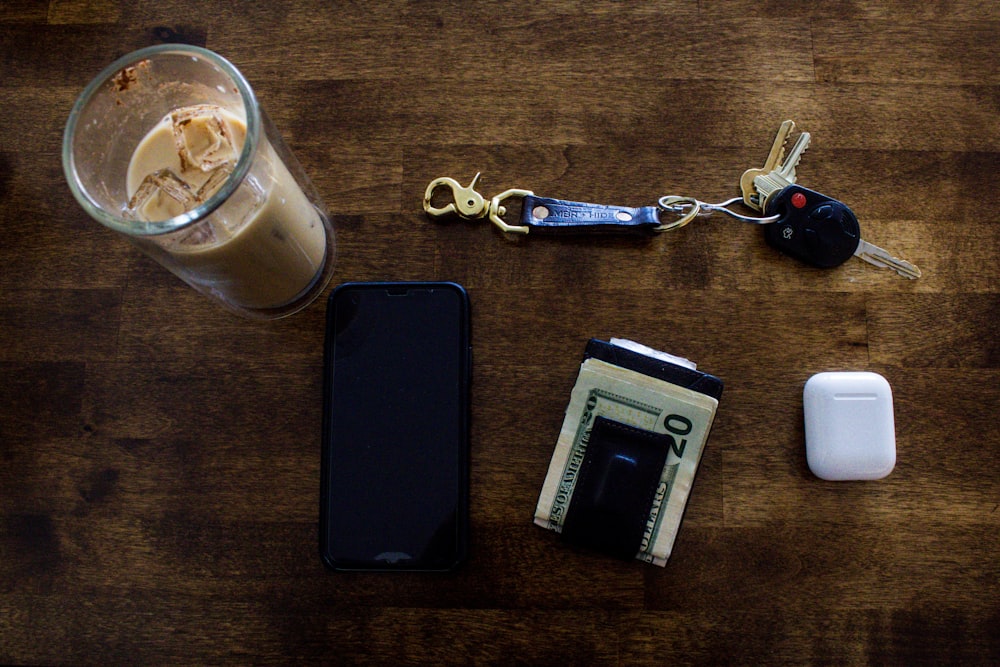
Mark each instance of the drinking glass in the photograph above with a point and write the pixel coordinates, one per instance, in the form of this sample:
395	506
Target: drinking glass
169	147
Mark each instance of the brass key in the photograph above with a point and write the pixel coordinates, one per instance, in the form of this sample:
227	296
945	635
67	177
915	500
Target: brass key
780	178
750	196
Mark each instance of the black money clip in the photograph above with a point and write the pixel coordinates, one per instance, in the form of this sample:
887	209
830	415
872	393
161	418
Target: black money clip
623	464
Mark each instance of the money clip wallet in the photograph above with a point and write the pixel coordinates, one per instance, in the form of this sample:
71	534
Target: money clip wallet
630	445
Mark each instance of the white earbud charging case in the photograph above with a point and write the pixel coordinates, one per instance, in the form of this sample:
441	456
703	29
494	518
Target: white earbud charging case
850	428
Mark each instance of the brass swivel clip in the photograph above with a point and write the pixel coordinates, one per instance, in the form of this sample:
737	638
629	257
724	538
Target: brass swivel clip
469	204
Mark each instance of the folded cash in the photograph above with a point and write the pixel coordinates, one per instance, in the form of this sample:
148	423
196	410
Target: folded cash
633	435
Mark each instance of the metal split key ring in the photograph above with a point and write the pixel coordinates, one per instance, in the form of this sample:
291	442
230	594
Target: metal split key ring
690	208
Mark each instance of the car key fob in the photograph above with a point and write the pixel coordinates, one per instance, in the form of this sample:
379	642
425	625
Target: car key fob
813	228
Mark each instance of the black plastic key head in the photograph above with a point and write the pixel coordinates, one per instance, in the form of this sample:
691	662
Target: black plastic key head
813	228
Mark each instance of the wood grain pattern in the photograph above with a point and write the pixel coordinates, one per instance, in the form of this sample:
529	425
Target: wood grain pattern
159	484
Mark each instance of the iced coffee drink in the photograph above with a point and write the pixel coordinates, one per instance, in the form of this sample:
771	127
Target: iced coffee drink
266	247
169	147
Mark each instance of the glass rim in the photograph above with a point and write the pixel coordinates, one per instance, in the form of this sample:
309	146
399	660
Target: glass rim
141	227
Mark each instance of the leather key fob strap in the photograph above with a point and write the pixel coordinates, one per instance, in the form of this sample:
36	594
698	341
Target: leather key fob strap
553	215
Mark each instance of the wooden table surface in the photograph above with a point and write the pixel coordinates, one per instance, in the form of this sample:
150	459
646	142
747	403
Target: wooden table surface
159	484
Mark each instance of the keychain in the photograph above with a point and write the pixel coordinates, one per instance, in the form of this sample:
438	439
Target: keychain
802	223
545	214
809	226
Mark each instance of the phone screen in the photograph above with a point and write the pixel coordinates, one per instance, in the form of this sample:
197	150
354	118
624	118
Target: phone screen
395	433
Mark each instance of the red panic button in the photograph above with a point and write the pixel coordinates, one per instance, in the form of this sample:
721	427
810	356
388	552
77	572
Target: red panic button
798	200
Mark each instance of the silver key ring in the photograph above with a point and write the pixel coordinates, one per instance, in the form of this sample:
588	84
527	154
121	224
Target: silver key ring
677	206
680	206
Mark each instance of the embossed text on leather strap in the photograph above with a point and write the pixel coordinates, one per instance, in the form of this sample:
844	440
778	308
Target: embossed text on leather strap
544	214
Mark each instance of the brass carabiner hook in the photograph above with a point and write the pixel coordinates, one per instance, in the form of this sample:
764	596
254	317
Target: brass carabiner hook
496	210
466	203
469	204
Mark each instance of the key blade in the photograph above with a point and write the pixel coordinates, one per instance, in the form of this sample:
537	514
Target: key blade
787	169
750	195
881	258
778	147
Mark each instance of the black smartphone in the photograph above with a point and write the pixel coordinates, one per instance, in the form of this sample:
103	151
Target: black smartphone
397	364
